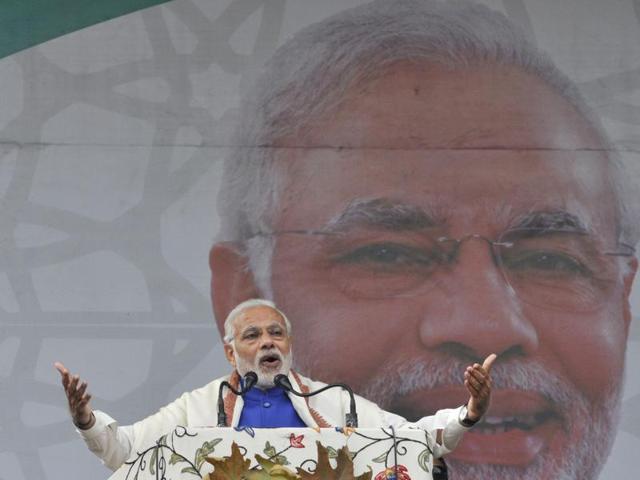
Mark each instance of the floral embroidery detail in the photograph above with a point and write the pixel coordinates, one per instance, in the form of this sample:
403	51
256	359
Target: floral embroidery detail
322	423
296	442
390	474
246	429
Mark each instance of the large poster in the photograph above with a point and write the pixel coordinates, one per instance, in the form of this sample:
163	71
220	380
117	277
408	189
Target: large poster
416	183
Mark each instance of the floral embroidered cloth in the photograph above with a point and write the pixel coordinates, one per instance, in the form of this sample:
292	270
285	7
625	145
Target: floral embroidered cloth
378	454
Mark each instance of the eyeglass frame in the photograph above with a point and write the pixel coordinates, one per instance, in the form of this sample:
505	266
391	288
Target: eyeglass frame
458	242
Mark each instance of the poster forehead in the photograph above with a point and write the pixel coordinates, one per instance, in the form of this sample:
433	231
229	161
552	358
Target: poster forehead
424	105
320	185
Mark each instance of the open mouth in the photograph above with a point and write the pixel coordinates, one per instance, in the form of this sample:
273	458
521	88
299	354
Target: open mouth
518	427
270	361
494	424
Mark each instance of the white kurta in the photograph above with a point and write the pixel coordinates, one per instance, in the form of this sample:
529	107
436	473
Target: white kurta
114	444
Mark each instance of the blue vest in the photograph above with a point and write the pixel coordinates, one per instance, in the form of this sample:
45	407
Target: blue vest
270	408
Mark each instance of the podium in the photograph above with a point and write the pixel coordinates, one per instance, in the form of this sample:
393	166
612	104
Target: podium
283	453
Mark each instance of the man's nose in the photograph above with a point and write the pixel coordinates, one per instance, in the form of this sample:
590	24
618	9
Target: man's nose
266	342
474	312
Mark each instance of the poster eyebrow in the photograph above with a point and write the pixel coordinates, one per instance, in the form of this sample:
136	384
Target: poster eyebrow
383	213
551	220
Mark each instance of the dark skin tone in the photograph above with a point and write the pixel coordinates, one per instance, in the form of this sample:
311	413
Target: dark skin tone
77	397
477	379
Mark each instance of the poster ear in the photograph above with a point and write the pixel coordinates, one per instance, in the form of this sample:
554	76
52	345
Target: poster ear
231	280
629	277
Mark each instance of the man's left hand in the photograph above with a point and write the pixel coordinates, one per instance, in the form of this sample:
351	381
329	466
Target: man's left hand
477	379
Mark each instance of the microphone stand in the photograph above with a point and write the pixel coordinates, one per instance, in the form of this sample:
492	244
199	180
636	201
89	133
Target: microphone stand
351	418
250	379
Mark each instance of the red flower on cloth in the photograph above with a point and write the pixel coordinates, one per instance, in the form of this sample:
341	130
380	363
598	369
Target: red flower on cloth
390	474
296	442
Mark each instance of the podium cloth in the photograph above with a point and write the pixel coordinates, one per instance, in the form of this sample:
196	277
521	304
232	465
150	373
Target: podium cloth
181	453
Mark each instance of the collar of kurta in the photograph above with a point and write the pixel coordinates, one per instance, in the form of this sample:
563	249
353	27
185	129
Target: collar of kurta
310	416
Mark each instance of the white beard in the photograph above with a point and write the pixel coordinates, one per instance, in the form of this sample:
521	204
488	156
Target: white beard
590	427
265	375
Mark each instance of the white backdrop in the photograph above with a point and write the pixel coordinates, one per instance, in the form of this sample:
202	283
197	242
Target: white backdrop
111	145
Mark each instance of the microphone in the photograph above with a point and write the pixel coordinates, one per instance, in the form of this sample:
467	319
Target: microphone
351	418
249	380
282	380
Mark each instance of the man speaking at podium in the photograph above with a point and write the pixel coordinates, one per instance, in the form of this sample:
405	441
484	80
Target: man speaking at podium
258	339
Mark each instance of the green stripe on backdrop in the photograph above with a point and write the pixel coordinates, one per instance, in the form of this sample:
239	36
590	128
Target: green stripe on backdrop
25	23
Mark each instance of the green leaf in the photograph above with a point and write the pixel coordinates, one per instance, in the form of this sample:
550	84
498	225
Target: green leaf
280	460
191	470
270	471
423	459
152	462
175	458
380	459
333	453
206	449
269	450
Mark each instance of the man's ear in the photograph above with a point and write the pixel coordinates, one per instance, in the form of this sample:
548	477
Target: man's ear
231	280
628	285
228	353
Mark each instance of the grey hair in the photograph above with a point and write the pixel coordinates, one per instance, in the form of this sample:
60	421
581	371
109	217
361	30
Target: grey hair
251	303
309	75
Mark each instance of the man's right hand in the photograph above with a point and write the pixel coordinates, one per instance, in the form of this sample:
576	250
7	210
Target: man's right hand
77	397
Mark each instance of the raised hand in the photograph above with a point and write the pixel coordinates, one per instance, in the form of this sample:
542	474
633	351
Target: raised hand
77	397
477	379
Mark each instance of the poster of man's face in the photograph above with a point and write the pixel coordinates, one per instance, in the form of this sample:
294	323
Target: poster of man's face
416	183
